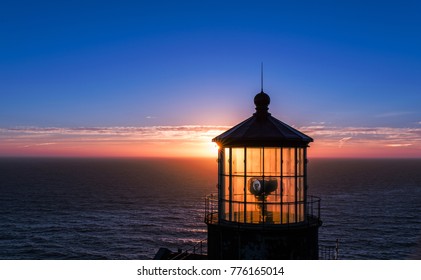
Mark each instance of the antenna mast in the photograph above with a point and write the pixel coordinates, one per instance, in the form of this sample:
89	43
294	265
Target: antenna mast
261	77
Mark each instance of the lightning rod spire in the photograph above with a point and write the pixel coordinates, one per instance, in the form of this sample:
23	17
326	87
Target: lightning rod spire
261	77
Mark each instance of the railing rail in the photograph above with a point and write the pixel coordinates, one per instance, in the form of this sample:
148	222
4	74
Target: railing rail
199	248
311	212
329	252
211	208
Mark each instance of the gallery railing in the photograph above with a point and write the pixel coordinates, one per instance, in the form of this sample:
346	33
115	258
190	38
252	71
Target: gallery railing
200	248
283	213
329	252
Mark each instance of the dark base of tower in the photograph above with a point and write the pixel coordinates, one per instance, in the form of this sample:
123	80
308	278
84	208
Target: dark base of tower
228	241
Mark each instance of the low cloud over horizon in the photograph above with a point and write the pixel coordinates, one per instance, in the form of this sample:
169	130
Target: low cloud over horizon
195	140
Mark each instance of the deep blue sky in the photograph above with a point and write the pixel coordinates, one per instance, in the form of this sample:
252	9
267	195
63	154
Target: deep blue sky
143	63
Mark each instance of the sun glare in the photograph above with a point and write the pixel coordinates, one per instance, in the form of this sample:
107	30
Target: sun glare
213	149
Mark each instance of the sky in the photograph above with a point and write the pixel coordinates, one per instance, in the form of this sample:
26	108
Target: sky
162	78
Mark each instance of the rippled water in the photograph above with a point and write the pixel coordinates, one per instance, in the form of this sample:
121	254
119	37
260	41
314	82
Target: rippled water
372	206
128	208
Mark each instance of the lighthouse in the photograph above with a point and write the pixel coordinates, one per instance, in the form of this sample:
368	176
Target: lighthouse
262	209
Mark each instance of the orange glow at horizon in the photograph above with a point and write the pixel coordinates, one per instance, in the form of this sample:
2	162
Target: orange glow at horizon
98	149
185	149
159	141
319	150
195	141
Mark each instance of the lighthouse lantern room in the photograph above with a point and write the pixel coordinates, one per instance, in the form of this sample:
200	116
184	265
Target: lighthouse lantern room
262	210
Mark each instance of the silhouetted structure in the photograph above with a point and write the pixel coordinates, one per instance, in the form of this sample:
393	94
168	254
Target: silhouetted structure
262	210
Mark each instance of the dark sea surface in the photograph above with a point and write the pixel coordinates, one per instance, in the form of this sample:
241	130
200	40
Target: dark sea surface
129	208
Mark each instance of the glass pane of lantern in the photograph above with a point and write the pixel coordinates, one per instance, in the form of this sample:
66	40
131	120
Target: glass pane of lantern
288	189
237	161
288	161
300	161
300	200
287	213
226	188
238	209
254	161
300	210
300	189
238	188
272	162
253	200
289	200
254	213
273	213
226	211
227	160
273	200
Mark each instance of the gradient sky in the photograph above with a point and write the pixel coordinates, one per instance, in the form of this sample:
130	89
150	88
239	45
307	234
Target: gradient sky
161	78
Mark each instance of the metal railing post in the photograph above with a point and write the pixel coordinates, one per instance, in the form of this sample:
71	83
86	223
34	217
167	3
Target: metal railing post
337	250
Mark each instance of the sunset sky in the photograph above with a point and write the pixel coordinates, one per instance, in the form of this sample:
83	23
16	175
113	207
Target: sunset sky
162	78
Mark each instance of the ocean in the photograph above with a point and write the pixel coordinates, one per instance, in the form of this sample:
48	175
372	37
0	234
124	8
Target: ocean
64	208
